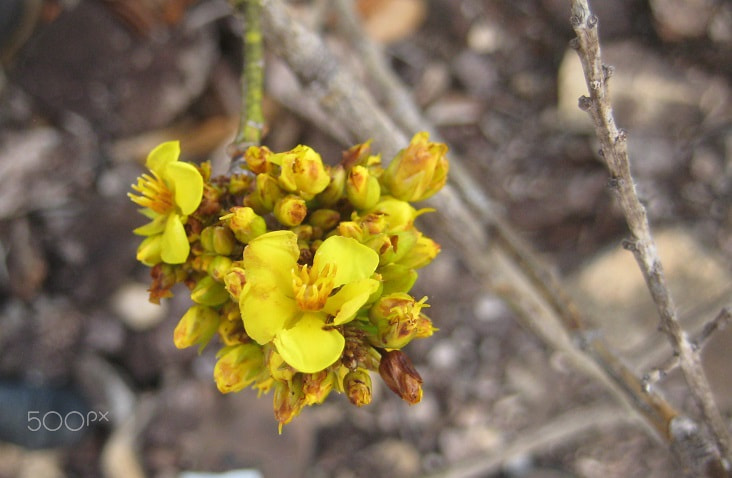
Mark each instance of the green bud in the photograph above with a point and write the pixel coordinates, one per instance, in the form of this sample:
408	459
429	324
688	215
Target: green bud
350	229
268	191
223	241
206	238
325	219
423	252
290	210
357	384
398	214
209	292
219	267
336	187
197	326
397	278
245	224
362	188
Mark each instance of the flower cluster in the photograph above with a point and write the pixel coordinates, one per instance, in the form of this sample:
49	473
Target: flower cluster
302	270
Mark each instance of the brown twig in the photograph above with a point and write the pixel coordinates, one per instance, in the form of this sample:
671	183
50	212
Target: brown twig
614	149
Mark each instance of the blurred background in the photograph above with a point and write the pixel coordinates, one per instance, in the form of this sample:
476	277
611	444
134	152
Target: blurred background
88	87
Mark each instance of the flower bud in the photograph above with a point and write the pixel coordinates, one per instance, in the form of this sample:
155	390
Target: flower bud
234	281
148	252
238	184
362	188
209	292
316	386
357	384
302	171
350	229
219	267
325	219
268	191
418	171
232	332
257	158
392	247
223	241
357	154
397	278
206	238
197	326
336	187
398	214
238	366
423	252
245	224
395	317
400	376
290	210
288	400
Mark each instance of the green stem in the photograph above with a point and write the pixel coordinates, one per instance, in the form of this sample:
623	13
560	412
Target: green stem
251	121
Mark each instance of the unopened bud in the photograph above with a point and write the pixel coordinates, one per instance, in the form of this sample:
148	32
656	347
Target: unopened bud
234	281
325	219
357	384
363	189
316	386
397	278
197	326
209	292
302	171
238	366
336	187
290	210
257	158
350	229
400	376
423	252
288	400
418	171
219	267
232	332
397	214
245	224
268	191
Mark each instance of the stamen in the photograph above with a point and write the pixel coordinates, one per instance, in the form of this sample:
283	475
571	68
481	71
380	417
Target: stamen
154	194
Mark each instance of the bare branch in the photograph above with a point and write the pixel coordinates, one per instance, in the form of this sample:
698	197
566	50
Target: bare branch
614	149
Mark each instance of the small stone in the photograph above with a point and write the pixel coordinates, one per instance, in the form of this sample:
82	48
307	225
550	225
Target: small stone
131	303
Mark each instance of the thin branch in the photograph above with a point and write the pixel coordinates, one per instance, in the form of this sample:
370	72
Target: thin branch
564	429
251	121
614	148
719	322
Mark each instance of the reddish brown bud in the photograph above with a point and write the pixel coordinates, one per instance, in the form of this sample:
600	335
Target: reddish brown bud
400	376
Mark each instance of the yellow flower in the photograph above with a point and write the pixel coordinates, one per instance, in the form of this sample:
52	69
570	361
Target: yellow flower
172	192
299	307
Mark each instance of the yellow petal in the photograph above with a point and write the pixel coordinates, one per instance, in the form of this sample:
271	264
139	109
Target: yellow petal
175	246
156	226
266	310
148	252
187	185
162	155
308	346
353	260
271	258
346	302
